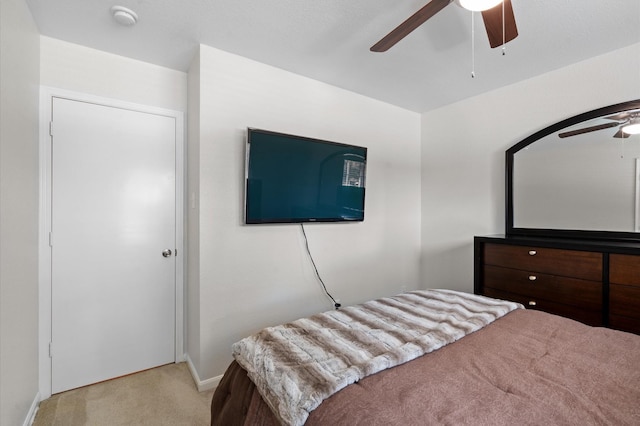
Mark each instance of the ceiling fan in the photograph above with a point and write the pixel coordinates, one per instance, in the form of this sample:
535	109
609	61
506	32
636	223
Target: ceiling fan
491	15
628	123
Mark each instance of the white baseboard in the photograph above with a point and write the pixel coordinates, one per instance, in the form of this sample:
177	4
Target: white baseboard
202	385
31	415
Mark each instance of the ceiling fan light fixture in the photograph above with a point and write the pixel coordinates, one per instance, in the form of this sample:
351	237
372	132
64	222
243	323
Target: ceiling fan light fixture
478	5
633	128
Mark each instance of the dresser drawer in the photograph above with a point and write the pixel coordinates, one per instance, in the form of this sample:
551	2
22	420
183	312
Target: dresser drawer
577	313
624	300
569	263
632	325
537	287
624	269
624	292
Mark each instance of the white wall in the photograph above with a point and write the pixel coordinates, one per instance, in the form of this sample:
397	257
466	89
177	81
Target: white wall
193	216
463	148
19	79
254	276
81	69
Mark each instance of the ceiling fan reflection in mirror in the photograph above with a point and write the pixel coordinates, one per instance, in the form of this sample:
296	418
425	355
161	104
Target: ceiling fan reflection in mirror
499	30
628	123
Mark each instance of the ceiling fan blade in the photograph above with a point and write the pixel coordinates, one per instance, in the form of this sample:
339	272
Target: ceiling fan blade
413	22
493	24
587	130
621	134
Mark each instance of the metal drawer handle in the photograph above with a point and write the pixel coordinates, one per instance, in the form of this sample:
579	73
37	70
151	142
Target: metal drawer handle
532	252
532	303
532	278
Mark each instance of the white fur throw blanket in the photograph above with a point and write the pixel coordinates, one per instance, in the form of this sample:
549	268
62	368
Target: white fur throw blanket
296	366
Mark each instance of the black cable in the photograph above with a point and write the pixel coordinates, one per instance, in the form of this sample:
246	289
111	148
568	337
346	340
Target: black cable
324	287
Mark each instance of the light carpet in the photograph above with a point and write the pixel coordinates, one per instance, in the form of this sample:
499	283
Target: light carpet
165	395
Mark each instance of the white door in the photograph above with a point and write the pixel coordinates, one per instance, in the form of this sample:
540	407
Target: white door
113	215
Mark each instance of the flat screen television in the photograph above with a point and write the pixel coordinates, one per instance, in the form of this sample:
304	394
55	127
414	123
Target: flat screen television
294	179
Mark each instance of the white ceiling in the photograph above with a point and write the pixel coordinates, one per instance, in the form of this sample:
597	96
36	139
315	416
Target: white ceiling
329	40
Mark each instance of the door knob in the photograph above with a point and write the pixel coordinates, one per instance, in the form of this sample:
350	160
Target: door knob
166	252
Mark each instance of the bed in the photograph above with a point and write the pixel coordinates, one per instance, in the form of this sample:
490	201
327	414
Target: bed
432	357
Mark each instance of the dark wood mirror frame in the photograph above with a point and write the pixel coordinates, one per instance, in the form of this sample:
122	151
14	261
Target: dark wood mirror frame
511	231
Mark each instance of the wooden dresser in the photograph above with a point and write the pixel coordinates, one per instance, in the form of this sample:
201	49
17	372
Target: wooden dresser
597	283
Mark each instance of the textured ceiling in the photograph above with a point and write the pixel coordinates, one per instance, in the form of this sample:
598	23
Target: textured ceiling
329	40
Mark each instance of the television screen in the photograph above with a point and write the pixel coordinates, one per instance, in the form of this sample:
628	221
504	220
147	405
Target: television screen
292	179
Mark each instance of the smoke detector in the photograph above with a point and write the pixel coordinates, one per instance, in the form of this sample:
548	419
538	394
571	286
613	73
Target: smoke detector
124	16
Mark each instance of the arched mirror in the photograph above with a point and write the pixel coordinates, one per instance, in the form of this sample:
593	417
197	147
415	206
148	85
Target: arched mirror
578	178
